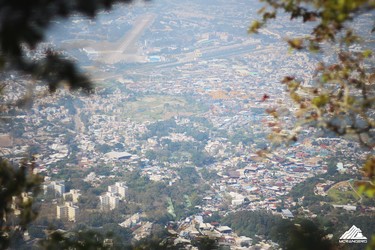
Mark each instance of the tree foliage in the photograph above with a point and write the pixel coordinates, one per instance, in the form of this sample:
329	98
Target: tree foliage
18	186
74	240
368	186
251	223
23	28
340	98
304	235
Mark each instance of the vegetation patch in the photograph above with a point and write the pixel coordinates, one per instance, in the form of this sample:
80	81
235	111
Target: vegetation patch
187	201
170	207
159	107
342	194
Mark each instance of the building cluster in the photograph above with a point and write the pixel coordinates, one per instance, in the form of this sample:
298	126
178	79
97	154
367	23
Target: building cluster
18	203
58	187
111	199
67	211
193	228
229	72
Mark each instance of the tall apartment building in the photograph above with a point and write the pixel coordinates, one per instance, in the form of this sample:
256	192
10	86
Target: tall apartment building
73	211
17	201
119	188
109	201
74	194
68	211
57	186
61	212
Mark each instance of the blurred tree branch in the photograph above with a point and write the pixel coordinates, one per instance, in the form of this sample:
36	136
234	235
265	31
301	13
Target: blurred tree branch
18	187
23	26
340	98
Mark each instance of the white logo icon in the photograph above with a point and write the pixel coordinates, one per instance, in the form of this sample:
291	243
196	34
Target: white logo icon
353	235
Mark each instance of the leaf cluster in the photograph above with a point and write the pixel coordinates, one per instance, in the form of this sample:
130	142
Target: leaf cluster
251	223
330	18
18	186
23	28
339	99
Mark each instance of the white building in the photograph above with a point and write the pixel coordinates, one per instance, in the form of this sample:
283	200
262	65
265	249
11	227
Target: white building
60	188
57	186
73	211
109	201
18	201
133	220
287	214
61	212
119	188
74	194
68	211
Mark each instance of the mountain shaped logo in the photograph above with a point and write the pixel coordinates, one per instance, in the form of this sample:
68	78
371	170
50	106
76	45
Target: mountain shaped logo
353	235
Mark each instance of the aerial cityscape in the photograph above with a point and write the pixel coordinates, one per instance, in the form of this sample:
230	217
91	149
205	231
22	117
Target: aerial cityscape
173	143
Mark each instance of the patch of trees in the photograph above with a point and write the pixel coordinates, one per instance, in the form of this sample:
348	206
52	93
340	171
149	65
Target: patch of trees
251	223
306	188
180	151
164	128
296	234
200	158
300	234
188	175
98	219
242	136
151	197
209	174
160	128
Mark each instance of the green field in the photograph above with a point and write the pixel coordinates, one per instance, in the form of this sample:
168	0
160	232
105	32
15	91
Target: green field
340	197
158	107
187	201
170	207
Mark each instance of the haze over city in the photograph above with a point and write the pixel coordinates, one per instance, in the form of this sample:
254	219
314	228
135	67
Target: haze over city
174	140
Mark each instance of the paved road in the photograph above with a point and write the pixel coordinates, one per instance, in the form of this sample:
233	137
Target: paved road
218	53
128	41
